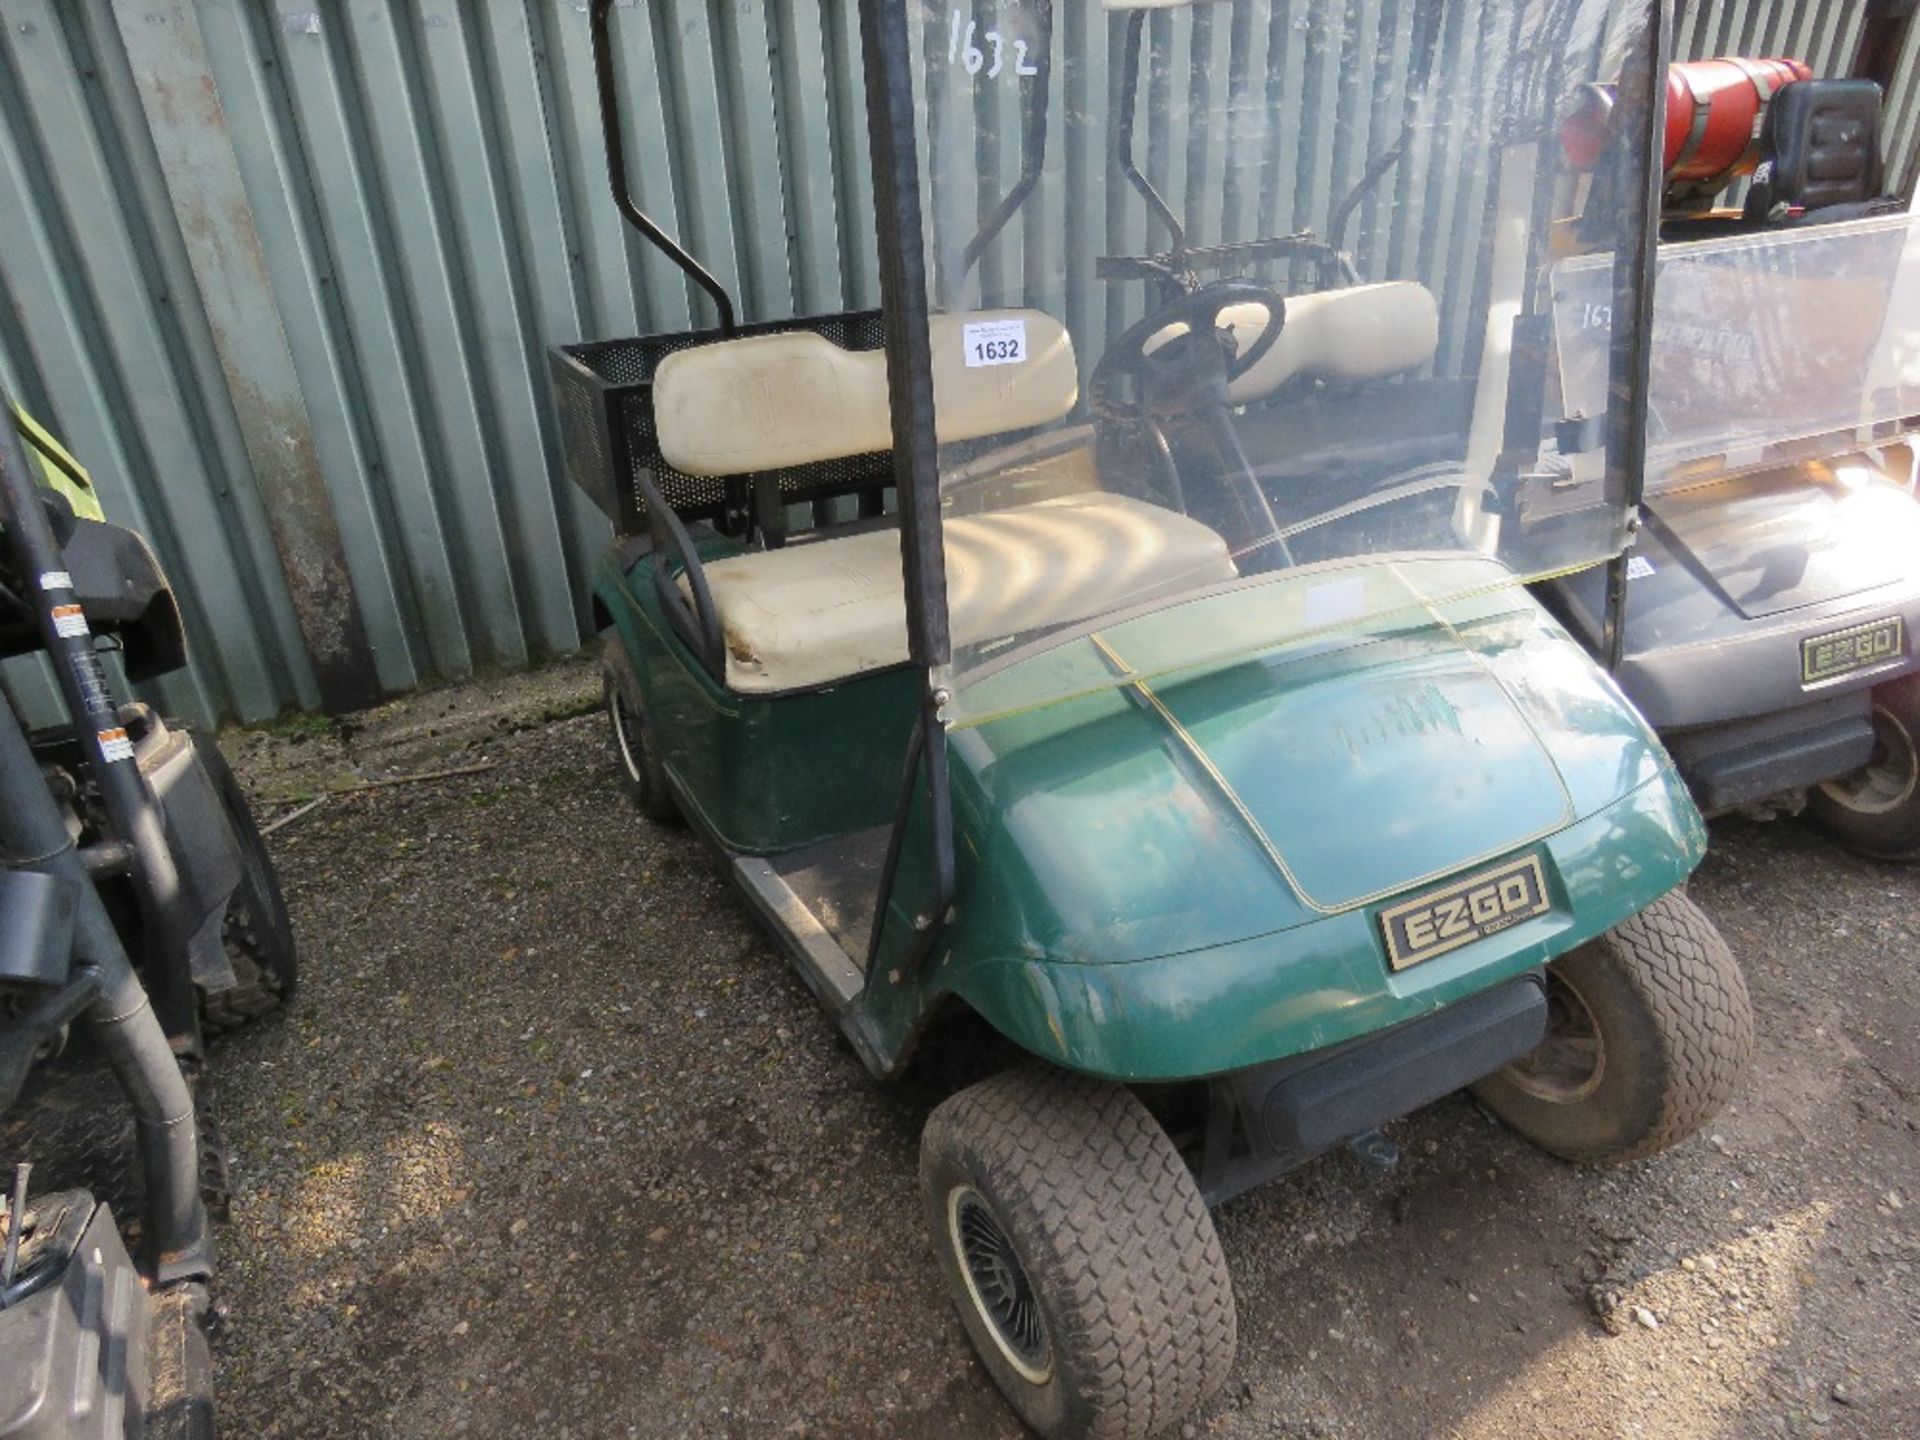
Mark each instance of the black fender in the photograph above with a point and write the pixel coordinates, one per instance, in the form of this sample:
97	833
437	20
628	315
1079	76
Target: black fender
206	853
120	586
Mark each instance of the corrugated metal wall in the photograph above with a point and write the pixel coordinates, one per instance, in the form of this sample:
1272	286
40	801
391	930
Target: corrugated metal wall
284	273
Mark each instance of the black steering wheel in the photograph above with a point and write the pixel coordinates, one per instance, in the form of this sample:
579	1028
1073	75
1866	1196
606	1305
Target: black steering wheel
1173	399
1191	368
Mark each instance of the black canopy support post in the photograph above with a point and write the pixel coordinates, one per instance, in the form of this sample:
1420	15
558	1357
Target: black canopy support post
1033	155
909	783
33	836
609	92
1130	62
130	805
1642	102
916	473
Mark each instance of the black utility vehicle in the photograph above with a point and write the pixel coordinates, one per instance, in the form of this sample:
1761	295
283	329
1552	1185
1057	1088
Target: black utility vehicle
139	913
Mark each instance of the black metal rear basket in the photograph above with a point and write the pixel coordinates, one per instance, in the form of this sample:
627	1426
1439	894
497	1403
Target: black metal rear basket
604	393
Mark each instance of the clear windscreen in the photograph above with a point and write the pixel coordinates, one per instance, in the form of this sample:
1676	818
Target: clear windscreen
1763	344
1227	296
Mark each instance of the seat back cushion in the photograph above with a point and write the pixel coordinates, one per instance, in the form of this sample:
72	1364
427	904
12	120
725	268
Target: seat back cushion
824	610
1819	146
764	402
1361	333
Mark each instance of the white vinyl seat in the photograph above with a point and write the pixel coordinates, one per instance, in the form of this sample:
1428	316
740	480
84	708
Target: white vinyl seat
819	611
1352	335
1361	333
767	402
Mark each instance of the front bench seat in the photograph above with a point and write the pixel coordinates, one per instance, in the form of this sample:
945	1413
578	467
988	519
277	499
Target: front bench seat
824	610
1349	336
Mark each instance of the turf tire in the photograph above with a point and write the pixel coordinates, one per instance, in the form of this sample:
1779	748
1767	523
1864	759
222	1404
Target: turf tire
636	749
257	932
1676	1031
1110	1230
1886	825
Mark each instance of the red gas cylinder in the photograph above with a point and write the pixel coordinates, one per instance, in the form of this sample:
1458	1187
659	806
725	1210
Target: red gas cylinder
1714	110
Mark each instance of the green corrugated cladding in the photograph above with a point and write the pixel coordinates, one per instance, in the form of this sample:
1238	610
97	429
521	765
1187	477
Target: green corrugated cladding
283	274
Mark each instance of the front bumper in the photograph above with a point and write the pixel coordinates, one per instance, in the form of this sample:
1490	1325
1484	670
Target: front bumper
1267	1120
1742	761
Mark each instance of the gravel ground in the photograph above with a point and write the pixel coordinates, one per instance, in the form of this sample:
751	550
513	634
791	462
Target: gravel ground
553	1143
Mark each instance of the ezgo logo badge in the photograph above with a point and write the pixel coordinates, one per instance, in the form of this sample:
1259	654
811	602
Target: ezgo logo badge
1463	912
1845	652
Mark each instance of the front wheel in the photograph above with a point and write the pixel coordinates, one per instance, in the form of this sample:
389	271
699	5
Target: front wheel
1649	1031
1079	1254
1876	809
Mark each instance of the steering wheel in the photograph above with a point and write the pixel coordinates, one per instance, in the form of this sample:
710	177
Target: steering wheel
1191	368
1174	396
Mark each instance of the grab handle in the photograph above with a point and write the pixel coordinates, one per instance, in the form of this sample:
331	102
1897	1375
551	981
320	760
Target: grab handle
617	171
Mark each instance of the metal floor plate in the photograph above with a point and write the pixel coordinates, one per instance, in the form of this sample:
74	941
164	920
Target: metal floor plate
73	1124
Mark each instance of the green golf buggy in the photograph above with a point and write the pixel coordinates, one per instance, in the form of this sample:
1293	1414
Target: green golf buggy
1050	645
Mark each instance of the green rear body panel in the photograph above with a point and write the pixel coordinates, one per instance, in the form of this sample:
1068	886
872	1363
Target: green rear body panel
766	774
1183	876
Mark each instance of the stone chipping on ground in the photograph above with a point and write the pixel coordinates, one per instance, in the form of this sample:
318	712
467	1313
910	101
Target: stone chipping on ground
553	1143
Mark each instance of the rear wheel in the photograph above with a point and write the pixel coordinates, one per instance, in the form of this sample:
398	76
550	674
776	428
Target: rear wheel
1876	809
257	933
1649	1032
635	746
1079	1254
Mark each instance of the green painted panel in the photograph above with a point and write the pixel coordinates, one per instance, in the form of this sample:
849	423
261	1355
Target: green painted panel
1117	910
766	773
1228	1007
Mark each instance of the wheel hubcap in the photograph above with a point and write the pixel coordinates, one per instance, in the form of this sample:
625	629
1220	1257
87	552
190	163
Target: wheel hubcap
626	733
997	1284
1887	781
1567	1065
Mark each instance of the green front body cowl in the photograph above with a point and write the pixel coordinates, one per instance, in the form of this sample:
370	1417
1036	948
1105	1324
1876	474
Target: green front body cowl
1184	875
1178	870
